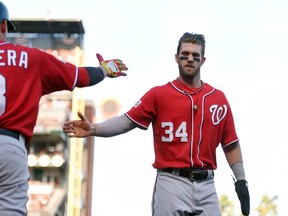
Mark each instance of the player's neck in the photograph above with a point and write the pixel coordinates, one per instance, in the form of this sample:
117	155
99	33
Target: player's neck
191	83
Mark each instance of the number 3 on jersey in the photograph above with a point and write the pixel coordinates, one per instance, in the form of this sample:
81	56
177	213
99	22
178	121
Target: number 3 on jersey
169	132
2	94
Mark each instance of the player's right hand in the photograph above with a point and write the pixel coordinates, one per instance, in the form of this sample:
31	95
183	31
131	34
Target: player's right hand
241	187
115	67
78	128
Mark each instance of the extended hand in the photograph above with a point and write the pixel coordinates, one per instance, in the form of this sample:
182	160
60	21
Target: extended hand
113	66
78	128
241	187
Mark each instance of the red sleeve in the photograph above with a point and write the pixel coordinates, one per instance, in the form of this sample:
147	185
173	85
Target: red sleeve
229	132
144	110
57	75
83	78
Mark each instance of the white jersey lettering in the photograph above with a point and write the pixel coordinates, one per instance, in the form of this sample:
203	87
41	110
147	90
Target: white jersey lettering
23	61
12	59
1	58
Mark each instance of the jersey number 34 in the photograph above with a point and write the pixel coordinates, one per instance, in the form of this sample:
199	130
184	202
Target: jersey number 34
170	134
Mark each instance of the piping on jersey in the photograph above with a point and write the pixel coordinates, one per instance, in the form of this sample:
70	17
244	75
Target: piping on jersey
3	43
192	128
76	78
201	125
192	124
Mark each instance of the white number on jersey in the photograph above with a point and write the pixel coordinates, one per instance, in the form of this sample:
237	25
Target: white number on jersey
2	94
181	132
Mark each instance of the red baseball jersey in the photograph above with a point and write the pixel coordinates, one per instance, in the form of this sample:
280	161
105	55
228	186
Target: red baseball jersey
25	75
187	126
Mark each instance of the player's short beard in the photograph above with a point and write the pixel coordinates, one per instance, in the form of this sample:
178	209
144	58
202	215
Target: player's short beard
186	75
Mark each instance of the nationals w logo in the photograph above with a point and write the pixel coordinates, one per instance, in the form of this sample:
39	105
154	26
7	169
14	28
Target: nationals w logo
218	113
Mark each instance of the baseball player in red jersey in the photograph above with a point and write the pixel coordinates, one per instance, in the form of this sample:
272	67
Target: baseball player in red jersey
190	118
26	74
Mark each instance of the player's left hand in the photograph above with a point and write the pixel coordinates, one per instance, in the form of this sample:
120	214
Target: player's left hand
241	187
115	67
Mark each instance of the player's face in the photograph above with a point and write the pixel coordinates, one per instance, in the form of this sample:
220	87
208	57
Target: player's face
190	60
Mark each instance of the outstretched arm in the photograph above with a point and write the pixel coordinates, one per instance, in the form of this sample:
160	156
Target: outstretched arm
111	127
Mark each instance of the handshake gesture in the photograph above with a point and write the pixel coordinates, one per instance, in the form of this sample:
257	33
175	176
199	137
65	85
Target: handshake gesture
79	128
113	66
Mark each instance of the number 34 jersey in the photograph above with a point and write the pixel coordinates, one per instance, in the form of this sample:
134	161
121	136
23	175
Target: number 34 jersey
187	126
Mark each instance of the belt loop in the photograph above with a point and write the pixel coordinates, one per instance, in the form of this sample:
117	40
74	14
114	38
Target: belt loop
176	171
21	139
210	174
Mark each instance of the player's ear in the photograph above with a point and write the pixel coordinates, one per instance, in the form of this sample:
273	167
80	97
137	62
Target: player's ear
203	60
3	26
176	58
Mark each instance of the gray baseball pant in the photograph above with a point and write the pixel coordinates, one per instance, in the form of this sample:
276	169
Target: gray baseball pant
178	196
14	176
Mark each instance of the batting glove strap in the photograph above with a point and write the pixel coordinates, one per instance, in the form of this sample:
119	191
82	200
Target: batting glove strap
241	188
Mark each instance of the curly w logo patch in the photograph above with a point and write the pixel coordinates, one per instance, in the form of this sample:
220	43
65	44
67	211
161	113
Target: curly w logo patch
218	113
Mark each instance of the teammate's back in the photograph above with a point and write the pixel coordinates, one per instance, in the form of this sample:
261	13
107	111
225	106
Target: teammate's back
25	75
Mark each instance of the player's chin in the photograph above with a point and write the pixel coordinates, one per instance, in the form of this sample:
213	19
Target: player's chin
190	69
189	73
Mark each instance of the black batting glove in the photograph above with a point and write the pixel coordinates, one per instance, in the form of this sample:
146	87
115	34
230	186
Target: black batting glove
241	188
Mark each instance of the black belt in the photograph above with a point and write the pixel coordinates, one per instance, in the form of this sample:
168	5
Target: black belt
191	174
10	133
